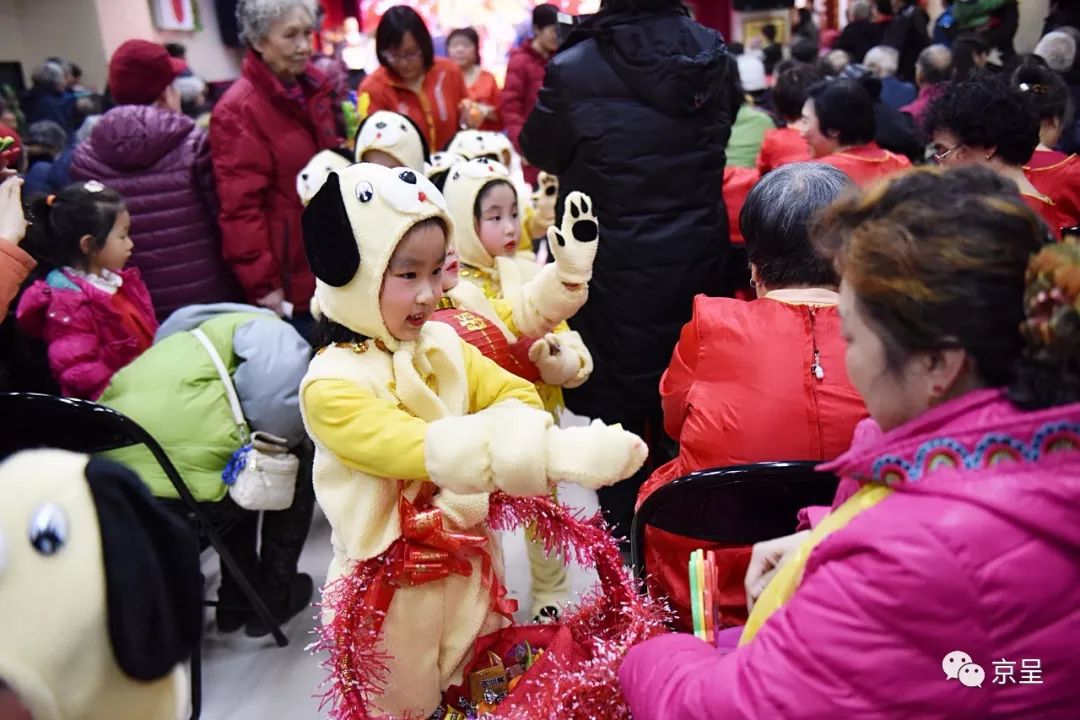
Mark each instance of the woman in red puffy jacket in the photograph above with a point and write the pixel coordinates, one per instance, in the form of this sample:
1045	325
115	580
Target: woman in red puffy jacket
265	128
762	380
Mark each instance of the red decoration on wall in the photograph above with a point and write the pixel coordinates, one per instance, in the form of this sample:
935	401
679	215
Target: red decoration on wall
715	14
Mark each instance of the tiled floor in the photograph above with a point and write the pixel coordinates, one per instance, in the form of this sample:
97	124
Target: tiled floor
245	679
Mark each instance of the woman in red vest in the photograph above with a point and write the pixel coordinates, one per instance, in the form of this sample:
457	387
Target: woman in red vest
839	127
983	121
1052	172
412	81
762	380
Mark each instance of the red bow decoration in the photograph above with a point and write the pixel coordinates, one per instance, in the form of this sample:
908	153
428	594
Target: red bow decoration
427	551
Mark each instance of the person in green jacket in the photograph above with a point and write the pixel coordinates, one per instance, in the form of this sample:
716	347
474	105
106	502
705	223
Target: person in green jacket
175	393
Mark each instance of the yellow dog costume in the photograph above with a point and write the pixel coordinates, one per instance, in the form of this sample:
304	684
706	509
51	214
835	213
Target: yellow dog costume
100	591
389	416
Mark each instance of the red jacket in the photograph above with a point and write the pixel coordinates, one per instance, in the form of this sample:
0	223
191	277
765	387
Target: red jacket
87	337
436	111
1051	214
867	163
780	147
259	140
738	182
740	390
1058	176
524	78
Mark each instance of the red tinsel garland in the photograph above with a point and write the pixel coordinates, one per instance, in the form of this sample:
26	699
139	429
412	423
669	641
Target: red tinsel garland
609	621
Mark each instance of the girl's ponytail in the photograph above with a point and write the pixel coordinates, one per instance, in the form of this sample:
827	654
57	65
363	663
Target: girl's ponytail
39	243
59	222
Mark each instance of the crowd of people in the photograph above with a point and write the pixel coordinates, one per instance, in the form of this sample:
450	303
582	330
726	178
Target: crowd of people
857	248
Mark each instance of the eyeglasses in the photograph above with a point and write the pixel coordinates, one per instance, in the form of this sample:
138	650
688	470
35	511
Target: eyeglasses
941	155
393	57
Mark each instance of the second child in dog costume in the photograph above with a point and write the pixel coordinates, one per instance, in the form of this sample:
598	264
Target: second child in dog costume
413	429
531	302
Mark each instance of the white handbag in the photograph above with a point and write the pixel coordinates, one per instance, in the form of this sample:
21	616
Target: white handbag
262	474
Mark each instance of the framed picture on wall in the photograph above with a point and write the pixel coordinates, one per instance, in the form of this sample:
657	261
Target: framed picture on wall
752	27
174	14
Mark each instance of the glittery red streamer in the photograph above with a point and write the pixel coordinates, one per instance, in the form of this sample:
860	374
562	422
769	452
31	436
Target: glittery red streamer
607	623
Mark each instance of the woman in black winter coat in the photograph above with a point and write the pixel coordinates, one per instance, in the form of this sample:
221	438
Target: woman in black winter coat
636	111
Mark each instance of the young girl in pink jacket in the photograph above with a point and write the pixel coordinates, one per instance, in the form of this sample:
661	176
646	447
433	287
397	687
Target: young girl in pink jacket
95	316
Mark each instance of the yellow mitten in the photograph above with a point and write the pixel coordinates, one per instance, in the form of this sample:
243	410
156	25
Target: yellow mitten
463	511
572	344
556	366
500	447
574	247
594	456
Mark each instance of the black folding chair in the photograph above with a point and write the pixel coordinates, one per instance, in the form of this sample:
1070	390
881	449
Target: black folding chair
32	420
738	505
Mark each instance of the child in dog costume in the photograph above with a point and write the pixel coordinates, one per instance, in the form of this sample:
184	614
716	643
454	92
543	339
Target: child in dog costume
531	302
386	138
413	428
533	205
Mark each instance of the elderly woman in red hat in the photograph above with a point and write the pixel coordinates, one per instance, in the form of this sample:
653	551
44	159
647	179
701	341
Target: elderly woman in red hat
158	159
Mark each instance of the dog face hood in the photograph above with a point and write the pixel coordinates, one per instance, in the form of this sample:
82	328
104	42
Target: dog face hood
352	227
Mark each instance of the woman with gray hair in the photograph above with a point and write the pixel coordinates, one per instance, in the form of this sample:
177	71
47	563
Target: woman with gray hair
266	127
45	100
761	380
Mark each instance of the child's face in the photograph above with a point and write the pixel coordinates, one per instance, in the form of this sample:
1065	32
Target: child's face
498	227
450	270
378	157
117	249
413	282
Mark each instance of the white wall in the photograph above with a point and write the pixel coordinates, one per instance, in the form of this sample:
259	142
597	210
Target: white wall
125	19
67	28
88	31
10	37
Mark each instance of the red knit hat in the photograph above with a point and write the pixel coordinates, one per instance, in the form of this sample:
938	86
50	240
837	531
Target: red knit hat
140	71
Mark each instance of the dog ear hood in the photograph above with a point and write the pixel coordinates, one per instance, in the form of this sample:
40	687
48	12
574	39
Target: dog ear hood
396	135
351	229
463	184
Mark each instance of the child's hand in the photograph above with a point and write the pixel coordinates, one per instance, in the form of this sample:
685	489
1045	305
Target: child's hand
12	219
594	456
556	367
574	248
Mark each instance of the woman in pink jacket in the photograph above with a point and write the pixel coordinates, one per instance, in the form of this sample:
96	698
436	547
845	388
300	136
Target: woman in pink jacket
945	587
94	315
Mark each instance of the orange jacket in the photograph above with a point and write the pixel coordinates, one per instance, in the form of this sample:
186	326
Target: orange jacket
867	163
15	265
435	110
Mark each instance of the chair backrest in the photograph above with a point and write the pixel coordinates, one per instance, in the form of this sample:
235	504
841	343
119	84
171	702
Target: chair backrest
31	420
738	505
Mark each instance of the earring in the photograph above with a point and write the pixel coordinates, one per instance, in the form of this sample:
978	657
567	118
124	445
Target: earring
753	283
937	390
